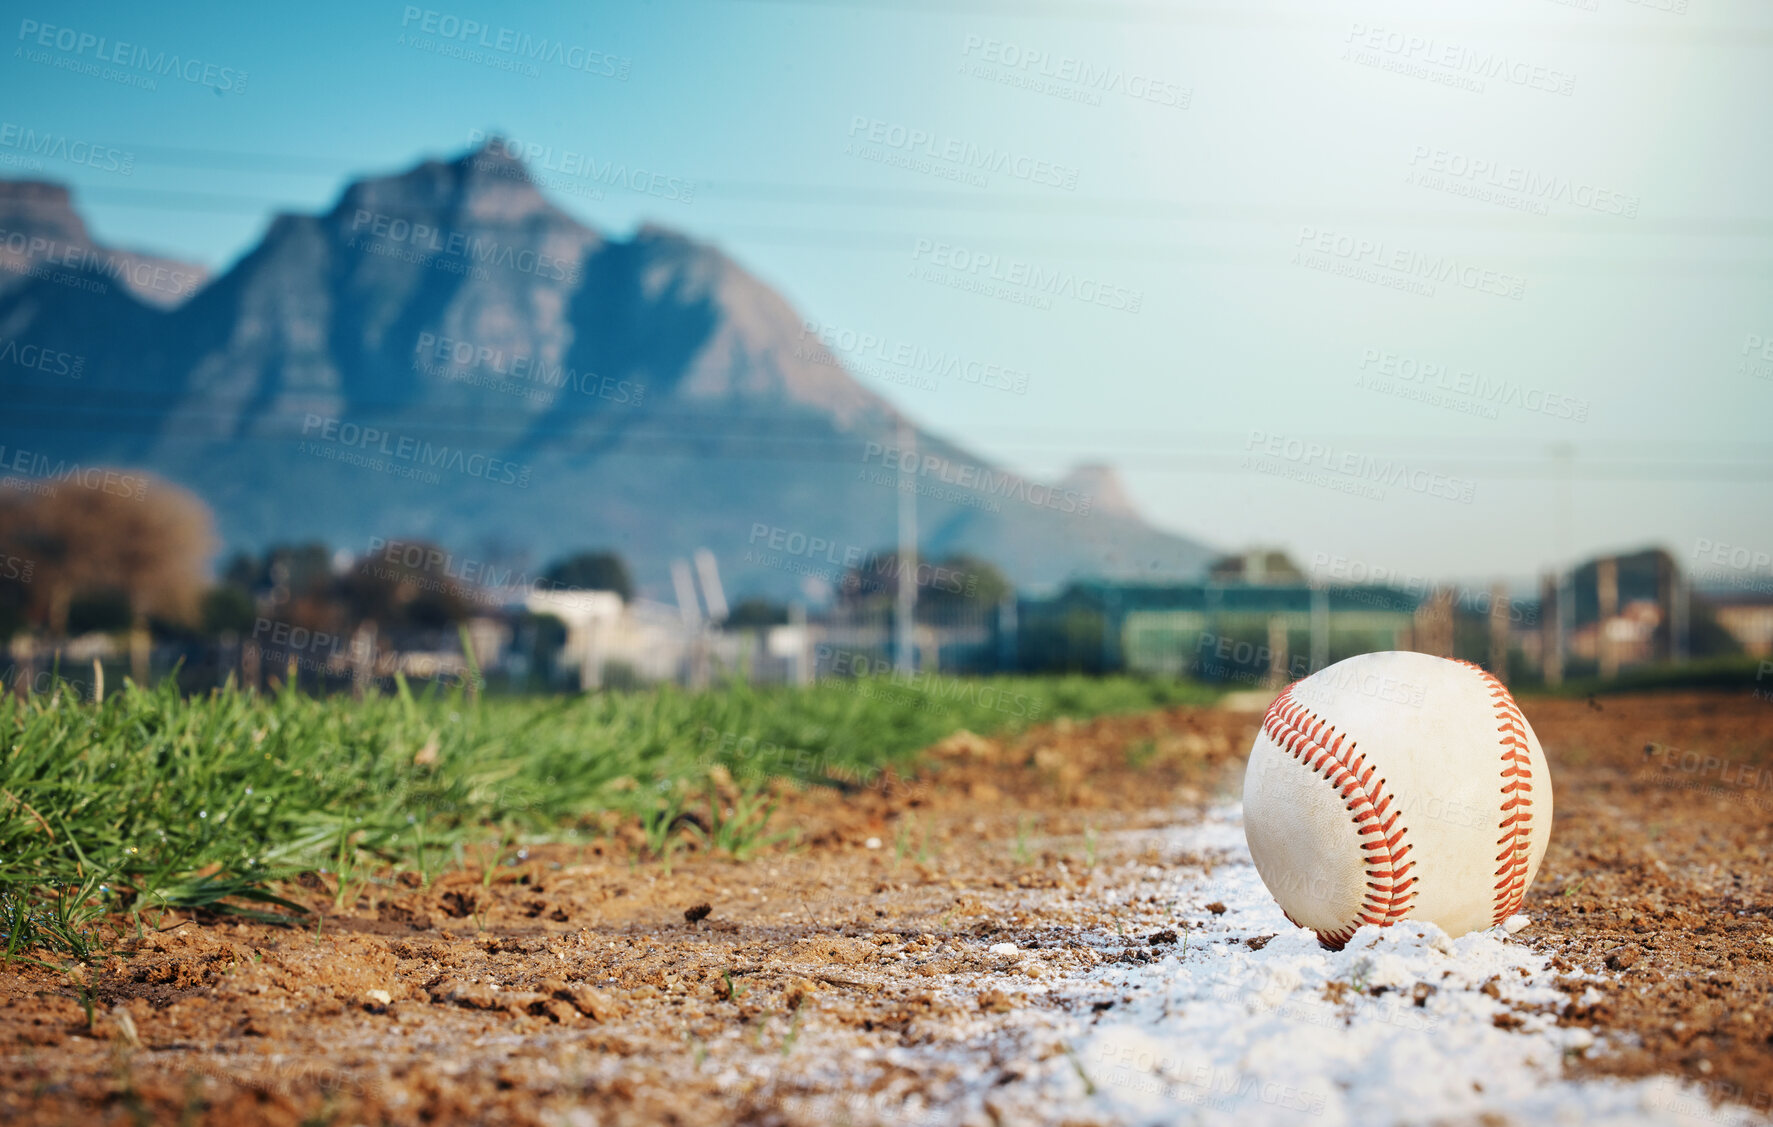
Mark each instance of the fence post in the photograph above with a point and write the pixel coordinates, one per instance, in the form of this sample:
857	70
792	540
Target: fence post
1606	581
1006	633
1551	629
1499	632
1277	651
1320	625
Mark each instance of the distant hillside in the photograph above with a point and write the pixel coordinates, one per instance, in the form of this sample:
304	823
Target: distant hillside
447	355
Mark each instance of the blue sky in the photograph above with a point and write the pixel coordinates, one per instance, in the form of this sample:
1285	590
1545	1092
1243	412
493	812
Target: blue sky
1521	251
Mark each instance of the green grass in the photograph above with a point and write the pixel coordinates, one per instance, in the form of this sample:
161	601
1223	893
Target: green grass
151	801
1744	674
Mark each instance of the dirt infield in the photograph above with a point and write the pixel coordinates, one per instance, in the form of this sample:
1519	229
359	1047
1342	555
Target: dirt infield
911	962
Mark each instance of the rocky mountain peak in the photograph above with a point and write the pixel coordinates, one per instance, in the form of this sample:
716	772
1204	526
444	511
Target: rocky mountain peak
485	186
40	230
1102	484
42	209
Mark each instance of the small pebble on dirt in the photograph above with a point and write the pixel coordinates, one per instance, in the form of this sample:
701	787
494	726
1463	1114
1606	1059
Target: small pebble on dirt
697	912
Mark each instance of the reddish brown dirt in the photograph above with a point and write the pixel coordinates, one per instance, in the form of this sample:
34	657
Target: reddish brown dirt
1659	870
577	987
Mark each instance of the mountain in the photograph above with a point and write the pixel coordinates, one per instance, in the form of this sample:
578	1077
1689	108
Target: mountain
56	240
446	355
80	323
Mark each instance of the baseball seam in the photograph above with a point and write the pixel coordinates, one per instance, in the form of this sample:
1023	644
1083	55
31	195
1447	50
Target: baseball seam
1316	744
1517	799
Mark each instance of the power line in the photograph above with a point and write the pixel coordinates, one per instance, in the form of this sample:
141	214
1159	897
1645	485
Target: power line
849	195
1271	254
843	195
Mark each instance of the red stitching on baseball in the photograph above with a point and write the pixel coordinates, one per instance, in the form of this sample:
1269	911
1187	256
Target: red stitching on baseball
1517	798
1316	744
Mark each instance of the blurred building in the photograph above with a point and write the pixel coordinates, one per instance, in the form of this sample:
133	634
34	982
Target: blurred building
1624	638
1748	616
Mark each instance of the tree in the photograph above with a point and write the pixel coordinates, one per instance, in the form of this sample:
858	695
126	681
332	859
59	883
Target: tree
18	570
756	614
591	571
99	612
964	580
295	582
383	588
288	572
106	531
227	610
15	598
955	581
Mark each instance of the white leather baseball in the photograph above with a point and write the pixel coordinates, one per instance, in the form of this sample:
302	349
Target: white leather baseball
1396	785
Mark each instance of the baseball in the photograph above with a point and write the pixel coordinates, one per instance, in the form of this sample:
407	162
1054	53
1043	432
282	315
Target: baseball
1397	786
